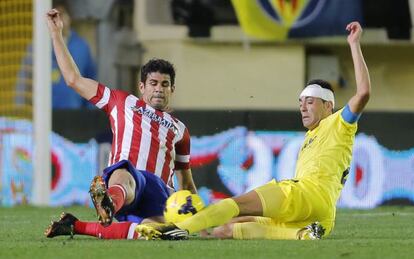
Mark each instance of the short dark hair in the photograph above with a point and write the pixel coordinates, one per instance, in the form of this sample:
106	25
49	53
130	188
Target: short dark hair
322	83
158	65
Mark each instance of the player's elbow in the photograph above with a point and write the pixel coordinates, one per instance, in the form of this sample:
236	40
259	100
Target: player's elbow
72	80
364	92
364	96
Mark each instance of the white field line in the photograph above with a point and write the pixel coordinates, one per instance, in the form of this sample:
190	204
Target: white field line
376	214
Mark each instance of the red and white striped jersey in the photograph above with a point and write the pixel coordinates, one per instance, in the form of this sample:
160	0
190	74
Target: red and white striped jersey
150	139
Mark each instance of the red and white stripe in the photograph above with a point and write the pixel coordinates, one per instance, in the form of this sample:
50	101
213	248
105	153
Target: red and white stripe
144	142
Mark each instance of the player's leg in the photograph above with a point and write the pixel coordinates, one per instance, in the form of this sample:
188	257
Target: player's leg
223	211
150	195
118	187
121	184
69	225
148	205
213	215
270	230
251	203
293	216
303	208
226	231
117	230
254	230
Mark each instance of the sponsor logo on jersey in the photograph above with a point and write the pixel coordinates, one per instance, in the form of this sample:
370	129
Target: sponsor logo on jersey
307	144
155	117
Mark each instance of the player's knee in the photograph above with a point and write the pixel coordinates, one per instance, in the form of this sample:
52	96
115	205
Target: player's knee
249	204
121	177
124	178
224	232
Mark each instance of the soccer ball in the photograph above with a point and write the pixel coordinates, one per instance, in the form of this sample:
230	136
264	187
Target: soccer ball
182	205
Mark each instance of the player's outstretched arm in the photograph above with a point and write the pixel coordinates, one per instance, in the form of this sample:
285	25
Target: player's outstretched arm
84	86
361	97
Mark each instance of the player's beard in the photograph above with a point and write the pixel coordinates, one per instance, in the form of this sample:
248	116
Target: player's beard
159	103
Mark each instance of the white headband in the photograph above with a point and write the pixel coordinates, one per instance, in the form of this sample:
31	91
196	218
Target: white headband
315	90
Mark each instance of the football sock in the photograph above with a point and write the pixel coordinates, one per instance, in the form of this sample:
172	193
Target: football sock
254	230
118	194
214	215
117	230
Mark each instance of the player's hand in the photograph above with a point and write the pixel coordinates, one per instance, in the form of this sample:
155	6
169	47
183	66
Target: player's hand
54	22
355	32
205	234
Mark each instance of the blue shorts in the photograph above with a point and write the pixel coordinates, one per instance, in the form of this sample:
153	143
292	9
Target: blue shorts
151	193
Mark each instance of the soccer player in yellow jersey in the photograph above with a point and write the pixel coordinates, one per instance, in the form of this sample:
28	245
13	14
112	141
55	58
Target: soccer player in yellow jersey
303	207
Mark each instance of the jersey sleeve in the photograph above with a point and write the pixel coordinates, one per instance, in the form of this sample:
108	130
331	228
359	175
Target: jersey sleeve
346	121
349	116
107	98
182	152
101	99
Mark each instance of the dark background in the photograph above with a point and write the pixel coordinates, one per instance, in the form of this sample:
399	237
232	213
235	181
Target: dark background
393	130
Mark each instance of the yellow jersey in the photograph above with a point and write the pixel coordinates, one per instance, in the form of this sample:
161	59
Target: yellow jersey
325	155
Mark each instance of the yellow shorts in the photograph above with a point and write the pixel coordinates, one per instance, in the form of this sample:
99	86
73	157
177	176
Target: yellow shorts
295	203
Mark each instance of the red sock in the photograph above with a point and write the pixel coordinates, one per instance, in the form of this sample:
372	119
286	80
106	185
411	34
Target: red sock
117	230
117	193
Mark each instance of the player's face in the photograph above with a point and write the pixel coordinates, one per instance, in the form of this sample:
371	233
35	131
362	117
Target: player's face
157	90
313	110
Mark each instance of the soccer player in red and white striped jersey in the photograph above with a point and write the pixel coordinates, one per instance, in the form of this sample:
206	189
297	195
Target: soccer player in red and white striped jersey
143	133
149	145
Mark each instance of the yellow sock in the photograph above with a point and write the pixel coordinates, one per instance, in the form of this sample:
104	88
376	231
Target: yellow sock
255	230
213	215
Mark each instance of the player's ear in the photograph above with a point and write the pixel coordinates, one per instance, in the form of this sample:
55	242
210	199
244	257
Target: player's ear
329	105
172	88
141	87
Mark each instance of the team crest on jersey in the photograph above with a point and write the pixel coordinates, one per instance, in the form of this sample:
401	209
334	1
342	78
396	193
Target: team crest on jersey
292	13
155	117
307	144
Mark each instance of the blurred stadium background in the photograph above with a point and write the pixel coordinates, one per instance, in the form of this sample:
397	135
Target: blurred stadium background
237	90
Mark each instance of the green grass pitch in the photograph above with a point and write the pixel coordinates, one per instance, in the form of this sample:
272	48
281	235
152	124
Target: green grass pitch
386	232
